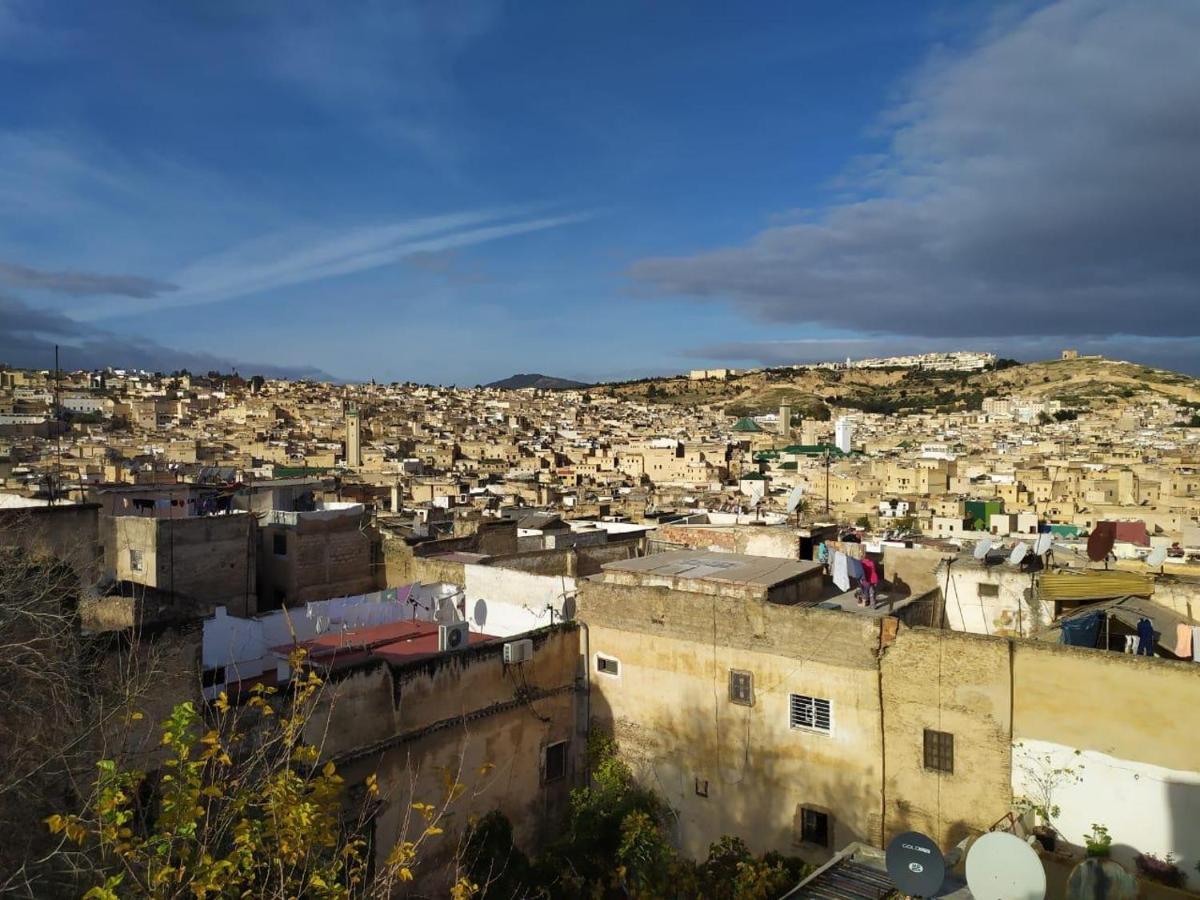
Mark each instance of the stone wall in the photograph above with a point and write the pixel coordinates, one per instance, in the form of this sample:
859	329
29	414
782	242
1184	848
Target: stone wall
954	683
469	715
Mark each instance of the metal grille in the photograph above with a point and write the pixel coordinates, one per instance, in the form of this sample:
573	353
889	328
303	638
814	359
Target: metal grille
939	751
812	713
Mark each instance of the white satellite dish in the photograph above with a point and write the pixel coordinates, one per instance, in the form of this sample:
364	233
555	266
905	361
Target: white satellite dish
1001	866
1018	553
1157	557
1043	542
982	548
756	493
794	498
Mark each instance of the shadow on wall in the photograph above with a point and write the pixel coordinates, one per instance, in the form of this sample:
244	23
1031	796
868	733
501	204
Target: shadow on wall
718	781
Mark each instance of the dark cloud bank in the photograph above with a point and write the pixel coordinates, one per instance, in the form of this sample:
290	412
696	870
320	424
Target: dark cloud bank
1041	189
28	336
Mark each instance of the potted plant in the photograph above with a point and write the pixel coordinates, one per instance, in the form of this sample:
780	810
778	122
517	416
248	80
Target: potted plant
1042	776
1164	871
1098	841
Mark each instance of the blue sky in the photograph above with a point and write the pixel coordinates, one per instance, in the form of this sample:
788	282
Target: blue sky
453	192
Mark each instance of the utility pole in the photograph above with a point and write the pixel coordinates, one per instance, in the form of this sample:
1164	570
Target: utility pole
57	429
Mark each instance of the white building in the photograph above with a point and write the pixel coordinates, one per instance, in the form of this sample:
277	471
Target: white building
843	434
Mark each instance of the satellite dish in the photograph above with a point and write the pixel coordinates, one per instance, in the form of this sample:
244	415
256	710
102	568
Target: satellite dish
794	497
1100	541
1001	866
1018	553
321	625
1043	542
756	493
982	548
1157	556
915	864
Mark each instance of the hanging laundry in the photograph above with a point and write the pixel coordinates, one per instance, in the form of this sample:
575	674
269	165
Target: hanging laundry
1082	631
822	553
838	570
1183	641
1130	643
1196	643
1145	630
854	567
870	571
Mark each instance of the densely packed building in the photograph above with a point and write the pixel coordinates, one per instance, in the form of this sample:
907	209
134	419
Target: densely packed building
811	633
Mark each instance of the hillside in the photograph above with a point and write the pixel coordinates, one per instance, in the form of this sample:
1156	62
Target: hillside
534	380
1078	383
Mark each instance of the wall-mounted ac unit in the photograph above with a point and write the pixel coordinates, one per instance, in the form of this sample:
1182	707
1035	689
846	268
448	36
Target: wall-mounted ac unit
518	651
453	637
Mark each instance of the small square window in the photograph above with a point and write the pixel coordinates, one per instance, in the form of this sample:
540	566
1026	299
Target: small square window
555	762
135	560
741	687
607	665
939	751
814	827
279	544
212	677
810	713
989	590
701	787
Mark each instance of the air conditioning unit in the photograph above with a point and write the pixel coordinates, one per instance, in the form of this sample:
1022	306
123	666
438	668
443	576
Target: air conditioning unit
518	651
453	637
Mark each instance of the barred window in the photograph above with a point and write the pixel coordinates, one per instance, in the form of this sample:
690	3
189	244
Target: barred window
810	713
608	665
741	687
939	751
814	827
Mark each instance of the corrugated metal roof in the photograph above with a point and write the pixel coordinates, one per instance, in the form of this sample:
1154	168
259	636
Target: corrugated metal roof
1094	584
847	879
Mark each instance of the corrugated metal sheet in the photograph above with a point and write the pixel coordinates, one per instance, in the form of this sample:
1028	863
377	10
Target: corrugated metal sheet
847	880
1094	584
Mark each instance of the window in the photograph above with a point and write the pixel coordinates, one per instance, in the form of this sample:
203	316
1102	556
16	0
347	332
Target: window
135	560
989	590
939	751
212	677
701	787
741	687
810	713
555	762
279	544
607	665
814	827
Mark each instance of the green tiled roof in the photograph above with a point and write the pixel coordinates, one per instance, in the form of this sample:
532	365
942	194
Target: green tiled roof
746	424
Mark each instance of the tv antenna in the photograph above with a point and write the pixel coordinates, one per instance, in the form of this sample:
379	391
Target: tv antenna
915	864
1001	866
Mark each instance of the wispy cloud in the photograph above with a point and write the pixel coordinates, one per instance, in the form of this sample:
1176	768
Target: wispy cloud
274	261
82	284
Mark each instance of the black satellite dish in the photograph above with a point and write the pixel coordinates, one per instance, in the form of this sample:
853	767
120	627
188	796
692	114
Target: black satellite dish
915	864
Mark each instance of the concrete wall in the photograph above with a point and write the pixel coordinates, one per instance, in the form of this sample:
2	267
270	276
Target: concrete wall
955	683
995	600
195	564
778	543
327	556
670	710
912	570
504	601
70	533
455	713
1128	725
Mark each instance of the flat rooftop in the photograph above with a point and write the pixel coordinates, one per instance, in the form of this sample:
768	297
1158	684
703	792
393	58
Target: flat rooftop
705	565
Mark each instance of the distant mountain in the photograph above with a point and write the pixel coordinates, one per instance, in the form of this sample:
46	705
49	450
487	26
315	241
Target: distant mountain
533	380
